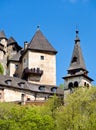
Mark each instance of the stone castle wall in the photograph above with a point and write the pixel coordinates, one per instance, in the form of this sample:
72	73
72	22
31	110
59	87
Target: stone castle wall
11	95
48	65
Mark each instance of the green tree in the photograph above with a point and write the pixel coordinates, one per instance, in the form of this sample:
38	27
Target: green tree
79	112
1	69
61	86
15	117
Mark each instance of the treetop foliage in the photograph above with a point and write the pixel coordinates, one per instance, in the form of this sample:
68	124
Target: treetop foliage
77	113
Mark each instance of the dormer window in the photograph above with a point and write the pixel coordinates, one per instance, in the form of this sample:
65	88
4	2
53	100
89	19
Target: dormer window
74	59
53	89
42	57
21	84
8	82
42	88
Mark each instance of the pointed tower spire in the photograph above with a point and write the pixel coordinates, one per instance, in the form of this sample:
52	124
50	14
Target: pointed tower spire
2	35
77	73
77	60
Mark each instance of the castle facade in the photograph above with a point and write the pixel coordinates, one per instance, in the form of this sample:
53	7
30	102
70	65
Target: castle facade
29	72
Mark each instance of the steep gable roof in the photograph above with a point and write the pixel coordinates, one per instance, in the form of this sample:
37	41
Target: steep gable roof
2	35
40	43
11	41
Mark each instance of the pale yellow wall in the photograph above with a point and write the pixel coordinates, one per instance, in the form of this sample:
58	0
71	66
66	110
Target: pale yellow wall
4	42
48	65
14	95
12	69
80	80
83	81
1	55
1	95
11	95
25	61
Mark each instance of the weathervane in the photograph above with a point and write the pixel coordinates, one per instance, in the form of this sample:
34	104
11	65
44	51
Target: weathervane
77	30
38	27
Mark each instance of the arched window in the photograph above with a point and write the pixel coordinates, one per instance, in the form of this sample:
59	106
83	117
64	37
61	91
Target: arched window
42	88
70	85
53	89
87	85
8	82
84	83
21	84
75	84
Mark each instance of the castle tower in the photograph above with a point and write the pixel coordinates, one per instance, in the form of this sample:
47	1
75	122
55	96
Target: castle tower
39	61
12	47
3	50
77	72
13	54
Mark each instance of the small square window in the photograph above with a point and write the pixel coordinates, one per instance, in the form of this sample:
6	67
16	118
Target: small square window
42	57
16	66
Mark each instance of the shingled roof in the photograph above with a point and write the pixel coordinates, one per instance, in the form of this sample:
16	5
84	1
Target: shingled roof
40	43
77	61
11	41
15	83
2	35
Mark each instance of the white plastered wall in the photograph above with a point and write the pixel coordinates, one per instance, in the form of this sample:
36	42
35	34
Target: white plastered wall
48	65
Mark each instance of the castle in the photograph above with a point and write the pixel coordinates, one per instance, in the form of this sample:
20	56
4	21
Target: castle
30	72
77	73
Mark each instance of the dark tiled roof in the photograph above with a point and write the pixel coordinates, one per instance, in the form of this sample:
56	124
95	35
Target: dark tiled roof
15	83
40	43
2	35
77	60
11	41
15	57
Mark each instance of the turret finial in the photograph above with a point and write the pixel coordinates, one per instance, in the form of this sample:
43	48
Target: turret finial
77	38
77	31
38	27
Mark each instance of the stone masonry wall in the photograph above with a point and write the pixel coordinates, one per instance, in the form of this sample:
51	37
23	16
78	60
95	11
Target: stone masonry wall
48	65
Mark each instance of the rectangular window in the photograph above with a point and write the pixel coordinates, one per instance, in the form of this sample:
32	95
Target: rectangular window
16	66
42	57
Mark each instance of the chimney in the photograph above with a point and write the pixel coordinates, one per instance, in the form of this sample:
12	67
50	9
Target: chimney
23	99
25	45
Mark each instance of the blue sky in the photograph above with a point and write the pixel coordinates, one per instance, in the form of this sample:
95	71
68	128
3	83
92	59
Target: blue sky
58	20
